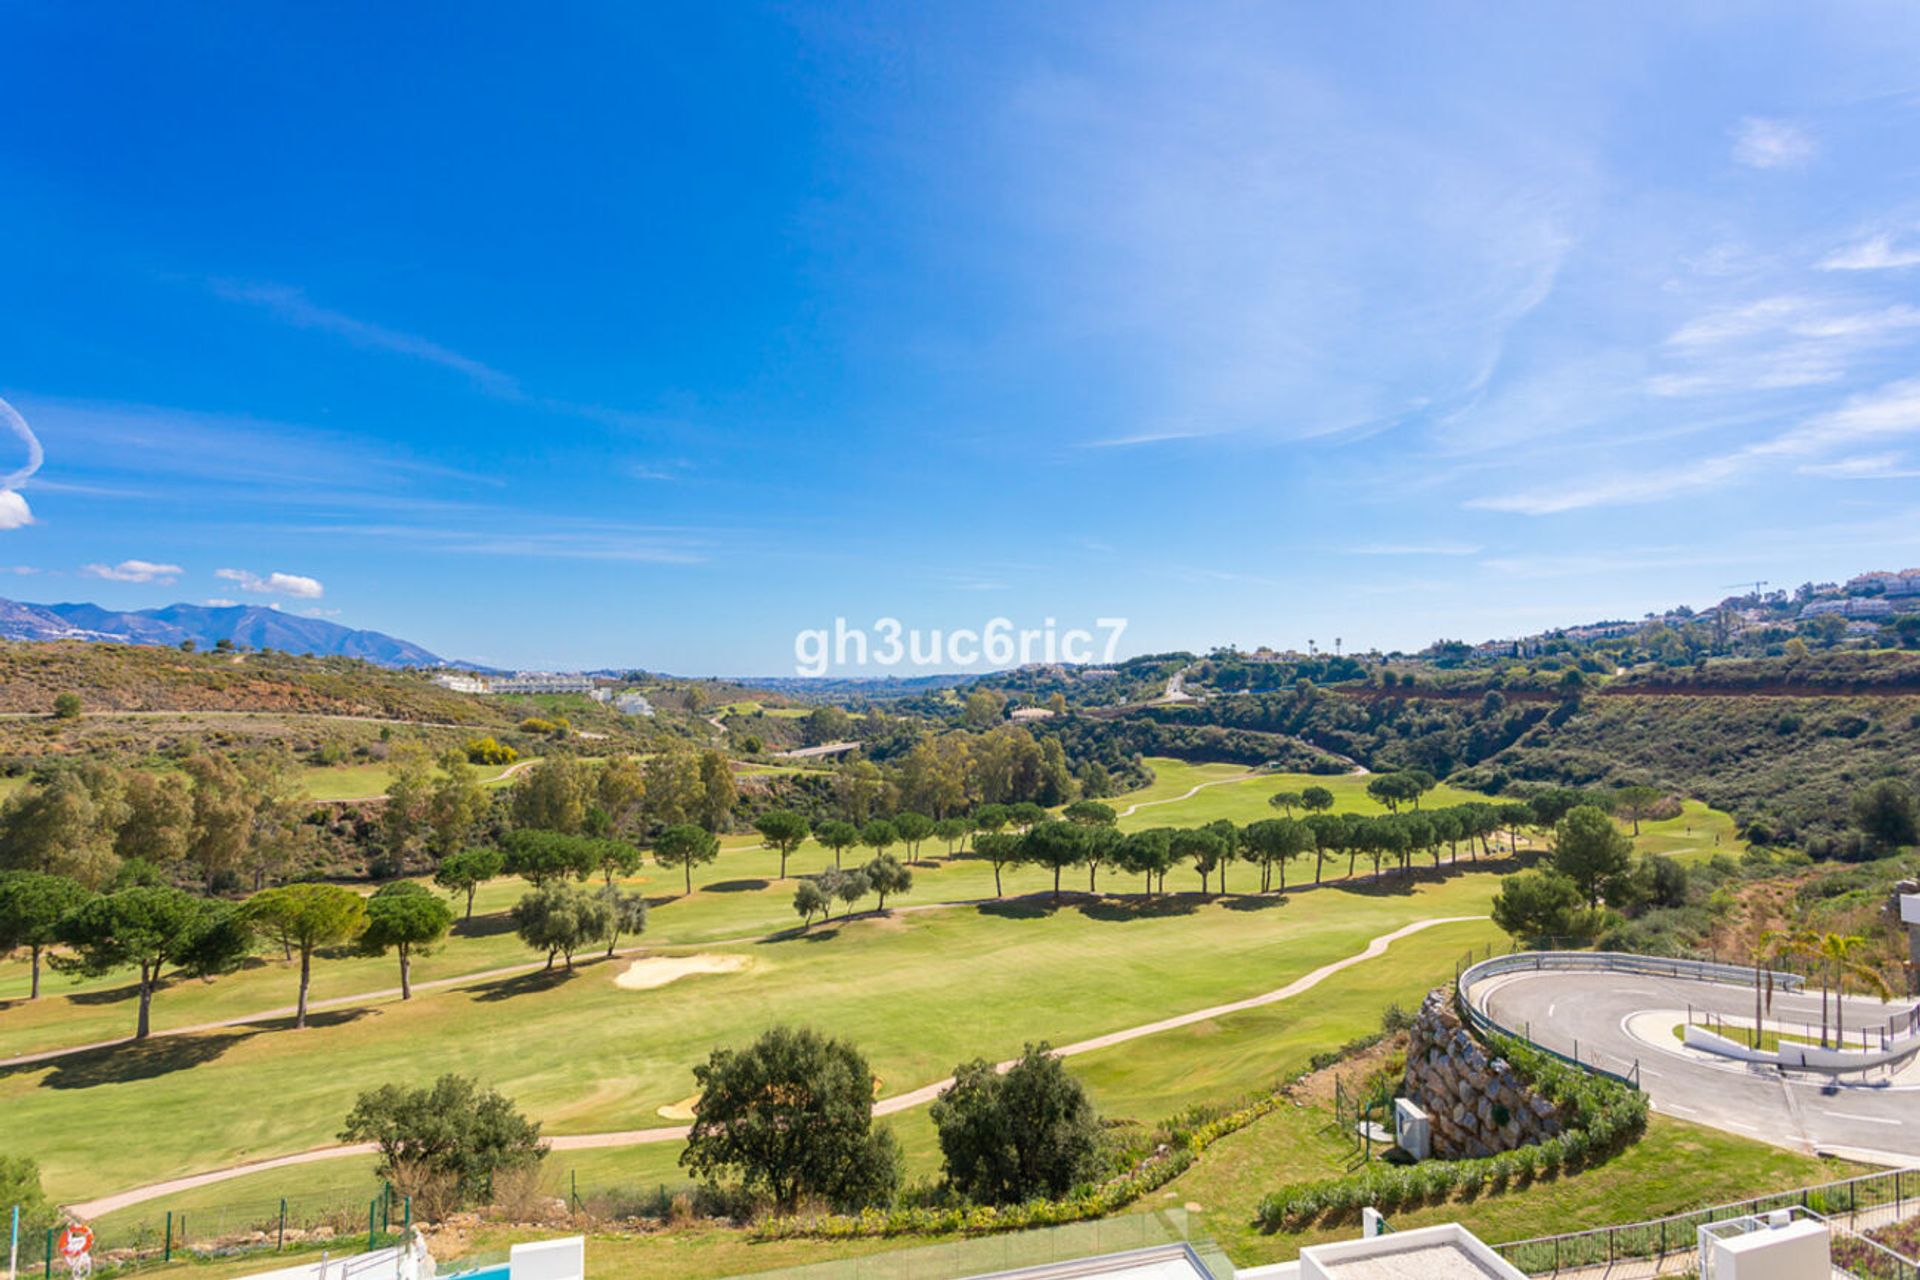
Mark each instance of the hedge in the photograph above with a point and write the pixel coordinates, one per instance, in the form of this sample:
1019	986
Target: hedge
1602	1116
1187	1134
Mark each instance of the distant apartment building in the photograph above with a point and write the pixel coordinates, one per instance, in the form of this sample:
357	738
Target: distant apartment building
519	682
1904	583
1851	607
632	704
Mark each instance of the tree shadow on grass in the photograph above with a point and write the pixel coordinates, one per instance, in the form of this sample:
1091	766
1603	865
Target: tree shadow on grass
1255	902
521	984
1166	906
488	926
1017	908
735	886
163	1055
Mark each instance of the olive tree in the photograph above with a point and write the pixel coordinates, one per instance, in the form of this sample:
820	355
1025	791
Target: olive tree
560	919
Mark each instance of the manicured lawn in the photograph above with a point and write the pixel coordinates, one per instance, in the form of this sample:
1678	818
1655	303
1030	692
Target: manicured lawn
1246	801
1145	1080
1696	835
919	993
737	897
1676	1166
360	781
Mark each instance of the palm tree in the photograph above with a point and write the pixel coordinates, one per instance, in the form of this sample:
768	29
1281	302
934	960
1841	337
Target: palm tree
1796	943
1838	952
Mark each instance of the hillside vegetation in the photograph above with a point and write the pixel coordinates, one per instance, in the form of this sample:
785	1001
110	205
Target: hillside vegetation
113	677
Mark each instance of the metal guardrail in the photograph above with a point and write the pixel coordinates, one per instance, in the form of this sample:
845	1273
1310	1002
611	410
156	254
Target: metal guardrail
1887	1196
1626	1072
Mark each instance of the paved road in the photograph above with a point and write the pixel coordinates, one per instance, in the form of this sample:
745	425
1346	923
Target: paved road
1592	1011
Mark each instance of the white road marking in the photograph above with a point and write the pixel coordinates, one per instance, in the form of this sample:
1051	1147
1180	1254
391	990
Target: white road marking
1851	1115
1735	1124
1551	1008
1675	1108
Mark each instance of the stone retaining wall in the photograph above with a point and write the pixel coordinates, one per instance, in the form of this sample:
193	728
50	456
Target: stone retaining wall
1478	1104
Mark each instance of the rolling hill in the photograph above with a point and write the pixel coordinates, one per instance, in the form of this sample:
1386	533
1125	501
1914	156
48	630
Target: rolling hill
246	625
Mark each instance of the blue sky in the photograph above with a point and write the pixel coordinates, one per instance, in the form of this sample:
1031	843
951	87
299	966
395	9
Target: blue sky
615	334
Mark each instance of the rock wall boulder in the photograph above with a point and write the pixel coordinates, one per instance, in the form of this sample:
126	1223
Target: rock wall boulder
1478	1104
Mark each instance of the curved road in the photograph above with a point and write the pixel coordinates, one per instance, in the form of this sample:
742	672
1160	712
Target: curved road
886	1106
1616	1019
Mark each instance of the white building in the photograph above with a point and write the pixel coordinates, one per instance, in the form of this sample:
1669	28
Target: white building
632	704
519	682
1855	607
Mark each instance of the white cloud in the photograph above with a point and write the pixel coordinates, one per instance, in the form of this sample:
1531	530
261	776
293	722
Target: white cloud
1877	466
321	613
283	584
1417	549
1144	437
1891	412
292	306
218	603
1876	253
133	571
1771	144
14	512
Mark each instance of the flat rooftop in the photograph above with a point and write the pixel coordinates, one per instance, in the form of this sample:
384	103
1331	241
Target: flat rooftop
1163	1262
1420	1261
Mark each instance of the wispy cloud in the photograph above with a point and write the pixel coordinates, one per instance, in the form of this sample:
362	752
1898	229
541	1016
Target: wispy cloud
14	512
281	584
1877	466
1889	412
1416	549
133	571
293	306
1763	143
1875	253
1140	438
595	541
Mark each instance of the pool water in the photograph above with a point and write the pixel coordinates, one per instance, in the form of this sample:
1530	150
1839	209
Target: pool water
497	1271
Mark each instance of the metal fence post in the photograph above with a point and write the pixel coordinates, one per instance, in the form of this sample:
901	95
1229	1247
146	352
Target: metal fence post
166	1254
48	1272
407	1224
373	1207
281	1243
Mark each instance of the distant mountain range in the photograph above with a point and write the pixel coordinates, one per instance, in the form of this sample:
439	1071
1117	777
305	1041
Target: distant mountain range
247	625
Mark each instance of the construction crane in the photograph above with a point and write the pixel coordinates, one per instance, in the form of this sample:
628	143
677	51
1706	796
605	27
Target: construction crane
1756	585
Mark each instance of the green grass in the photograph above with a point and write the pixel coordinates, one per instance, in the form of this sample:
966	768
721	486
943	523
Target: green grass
1697	834
1144	1079
918	993
1769	1040
1246	801
362	781
1676	1166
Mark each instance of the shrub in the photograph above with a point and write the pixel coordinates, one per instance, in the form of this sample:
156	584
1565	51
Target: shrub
451	1139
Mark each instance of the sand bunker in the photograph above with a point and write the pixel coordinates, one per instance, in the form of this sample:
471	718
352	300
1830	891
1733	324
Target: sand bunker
657	971
681	1110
